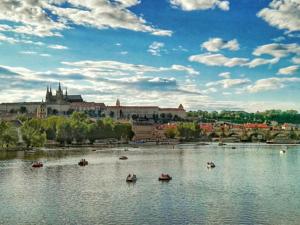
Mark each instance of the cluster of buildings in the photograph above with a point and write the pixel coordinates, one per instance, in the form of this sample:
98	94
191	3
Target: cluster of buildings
61	103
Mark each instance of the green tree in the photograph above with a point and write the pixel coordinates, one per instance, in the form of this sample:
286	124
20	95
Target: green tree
79	126
64	132
171	132
8	134
33	134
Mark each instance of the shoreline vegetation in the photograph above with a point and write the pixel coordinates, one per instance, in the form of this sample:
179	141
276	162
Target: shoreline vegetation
80	131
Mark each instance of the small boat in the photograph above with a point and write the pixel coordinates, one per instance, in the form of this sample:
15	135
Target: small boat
131	178
123	157
37	164
126	150
233	147
221	144
164	177
282	151
83	162
210	165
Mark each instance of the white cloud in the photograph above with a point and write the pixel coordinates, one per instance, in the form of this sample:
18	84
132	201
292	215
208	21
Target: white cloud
229	83
45	55
188	69
12	40
225	75
96	68
259	61
216	44
49	17
218	60
58	47
296	60
277	50
272	83
155	48
189	5
279	39
283	14
290	70
28	52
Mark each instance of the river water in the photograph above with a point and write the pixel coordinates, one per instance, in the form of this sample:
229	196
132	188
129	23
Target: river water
252	184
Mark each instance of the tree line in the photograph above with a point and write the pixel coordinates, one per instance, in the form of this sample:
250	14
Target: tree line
280	116
77	128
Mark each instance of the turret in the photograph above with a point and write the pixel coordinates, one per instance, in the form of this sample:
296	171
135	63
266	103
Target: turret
180	107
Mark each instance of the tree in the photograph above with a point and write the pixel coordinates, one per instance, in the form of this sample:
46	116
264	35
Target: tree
8	134
79	126
64	132
33	133
123	130
188	131
93	132
171	132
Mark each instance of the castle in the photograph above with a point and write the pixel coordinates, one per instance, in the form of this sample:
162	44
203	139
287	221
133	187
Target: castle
60	97
61	103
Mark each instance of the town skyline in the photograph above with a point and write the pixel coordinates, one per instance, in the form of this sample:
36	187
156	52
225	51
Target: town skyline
208	55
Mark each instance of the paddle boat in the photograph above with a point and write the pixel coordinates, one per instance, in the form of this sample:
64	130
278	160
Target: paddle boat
83	162
210	165
164	177
282	151
37	164
131	178
123	157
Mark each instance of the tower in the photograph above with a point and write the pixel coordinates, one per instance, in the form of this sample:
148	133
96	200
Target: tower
118	103
48	98
180	107
59	94
41	111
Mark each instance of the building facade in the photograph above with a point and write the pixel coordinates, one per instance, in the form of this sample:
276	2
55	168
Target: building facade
119	111
61	103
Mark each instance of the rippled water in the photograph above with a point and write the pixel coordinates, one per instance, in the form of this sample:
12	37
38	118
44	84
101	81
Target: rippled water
252	184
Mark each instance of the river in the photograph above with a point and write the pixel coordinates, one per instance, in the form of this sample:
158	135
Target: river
252	184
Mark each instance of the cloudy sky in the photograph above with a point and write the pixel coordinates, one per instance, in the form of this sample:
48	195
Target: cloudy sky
205	54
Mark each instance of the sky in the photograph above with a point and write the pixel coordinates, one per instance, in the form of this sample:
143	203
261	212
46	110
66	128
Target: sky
204	54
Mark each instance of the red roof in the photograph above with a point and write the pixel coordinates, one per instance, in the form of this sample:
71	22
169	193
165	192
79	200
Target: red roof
207	127
256	126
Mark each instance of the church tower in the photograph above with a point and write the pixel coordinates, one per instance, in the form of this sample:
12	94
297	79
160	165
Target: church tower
118	103
48	98
59	94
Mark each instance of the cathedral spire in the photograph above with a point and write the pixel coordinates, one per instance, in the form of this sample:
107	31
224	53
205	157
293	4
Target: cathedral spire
59	87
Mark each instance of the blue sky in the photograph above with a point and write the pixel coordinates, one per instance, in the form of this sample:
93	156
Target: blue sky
205	54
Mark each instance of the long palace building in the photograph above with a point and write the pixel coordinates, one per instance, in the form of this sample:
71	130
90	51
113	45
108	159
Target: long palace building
61	103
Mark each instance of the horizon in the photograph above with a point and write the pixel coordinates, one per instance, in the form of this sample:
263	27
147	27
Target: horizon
206	55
